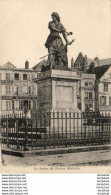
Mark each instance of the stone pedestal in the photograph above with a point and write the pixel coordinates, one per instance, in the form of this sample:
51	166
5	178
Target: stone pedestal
57	102
57	91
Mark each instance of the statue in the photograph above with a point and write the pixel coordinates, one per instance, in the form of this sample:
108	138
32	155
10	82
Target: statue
56	49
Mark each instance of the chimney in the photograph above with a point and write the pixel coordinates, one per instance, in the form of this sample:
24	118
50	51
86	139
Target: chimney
92	66
72	63
97	60
85	58
85	64
26	65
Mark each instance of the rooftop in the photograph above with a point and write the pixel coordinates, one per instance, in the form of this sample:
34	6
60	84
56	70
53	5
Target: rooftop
105	62
99	71
39	65
8	65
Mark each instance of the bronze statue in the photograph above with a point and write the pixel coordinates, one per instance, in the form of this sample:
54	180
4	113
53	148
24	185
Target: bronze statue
56	49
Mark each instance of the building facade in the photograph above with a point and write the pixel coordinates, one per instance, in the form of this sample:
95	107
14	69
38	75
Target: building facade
102	84
17	89
86	92
95	83
103	88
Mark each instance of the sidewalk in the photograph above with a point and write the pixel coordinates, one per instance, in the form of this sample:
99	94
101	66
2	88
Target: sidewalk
53	151
100	155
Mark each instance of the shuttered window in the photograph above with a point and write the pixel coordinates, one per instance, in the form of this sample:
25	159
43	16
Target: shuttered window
8	89
8	105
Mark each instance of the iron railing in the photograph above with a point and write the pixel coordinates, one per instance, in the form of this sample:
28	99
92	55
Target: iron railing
55	129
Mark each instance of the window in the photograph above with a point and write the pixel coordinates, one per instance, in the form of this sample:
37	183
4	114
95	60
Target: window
110	100
25	89
102	100
7	76
24	76
8	89
16	76
29	90
86	83
8	105
16	90
88	107
105	87
29	105
20	90
28	77
17	105
21	105
12	104
34	104
86	95
35	89
90	95
90	84
32	91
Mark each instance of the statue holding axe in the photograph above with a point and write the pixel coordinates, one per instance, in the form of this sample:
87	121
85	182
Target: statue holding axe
57	51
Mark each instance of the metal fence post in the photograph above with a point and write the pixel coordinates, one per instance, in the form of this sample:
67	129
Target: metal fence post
16	122
109	132
109	129
70	128
58	129
7	133
49	118
62	129
45	118
66	128
81	123
26	135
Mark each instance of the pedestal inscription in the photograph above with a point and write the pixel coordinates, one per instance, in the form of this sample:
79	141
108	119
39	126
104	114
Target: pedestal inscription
57	91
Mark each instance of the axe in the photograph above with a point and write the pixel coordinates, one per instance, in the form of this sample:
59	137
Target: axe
56	52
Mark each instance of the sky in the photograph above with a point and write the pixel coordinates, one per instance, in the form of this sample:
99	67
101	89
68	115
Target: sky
24	28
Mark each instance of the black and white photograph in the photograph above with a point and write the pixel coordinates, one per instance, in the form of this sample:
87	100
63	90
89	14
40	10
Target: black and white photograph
55	86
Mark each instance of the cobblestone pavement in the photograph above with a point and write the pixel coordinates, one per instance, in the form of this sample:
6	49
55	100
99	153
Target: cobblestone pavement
95	157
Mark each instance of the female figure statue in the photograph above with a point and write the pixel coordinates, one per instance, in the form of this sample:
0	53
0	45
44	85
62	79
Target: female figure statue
57	50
